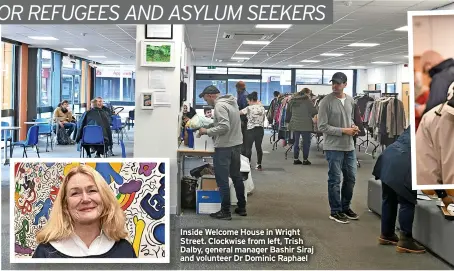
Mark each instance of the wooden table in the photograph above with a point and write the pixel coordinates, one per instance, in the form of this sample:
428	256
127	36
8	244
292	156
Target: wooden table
199	150
8	128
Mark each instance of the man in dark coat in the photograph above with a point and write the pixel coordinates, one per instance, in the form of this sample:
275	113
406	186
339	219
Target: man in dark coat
393	168
242	103
441	72
95	116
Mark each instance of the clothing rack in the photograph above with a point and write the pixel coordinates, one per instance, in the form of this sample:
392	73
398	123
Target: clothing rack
278	126
393	95
367	141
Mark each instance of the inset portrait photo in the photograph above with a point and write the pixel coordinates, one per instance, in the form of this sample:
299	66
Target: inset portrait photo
89	211
432	61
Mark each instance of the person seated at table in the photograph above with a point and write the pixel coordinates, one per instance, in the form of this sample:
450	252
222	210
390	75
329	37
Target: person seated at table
86	220
64	118
95	116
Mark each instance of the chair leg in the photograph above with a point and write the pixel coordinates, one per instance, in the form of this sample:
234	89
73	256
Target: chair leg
47	142
24	153
11	148
37	150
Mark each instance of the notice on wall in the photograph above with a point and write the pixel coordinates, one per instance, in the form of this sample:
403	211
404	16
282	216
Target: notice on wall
244	245
162	98
156	79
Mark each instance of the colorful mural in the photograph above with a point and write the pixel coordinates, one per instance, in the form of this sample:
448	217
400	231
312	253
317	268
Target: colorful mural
139	188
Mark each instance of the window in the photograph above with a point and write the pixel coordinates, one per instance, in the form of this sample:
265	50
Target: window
8	81
216	70
379	87
308	77
115	83
391	88
275	80
200	85
243	71
328	74
251	86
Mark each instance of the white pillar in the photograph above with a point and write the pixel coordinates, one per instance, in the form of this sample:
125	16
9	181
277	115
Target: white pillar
156	131
121	83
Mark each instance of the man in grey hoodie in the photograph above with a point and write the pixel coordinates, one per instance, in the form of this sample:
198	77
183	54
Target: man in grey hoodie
335	121
226	131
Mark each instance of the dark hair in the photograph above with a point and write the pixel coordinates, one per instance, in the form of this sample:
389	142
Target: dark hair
64	102
276	93
253	96
307	91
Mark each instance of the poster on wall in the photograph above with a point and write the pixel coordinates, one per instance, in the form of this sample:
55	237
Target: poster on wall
158	54
138	190
159	31
146	100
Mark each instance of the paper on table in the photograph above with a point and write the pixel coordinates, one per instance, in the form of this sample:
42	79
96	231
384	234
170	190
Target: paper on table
423	197
156	79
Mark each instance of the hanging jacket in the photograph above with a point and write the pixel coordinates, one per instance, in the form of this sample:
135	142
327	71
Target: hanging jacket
300	112
95	116
358	120
393	167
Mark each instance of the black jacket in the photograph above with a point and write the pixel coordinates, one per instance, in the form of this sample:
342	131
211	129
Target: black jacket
393	167
95	116
121	249
442	77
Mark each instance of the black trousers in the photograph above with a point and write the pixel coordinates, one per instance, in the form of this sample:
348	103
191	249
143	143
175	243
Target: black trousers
389	213
243	132
254	135
99	149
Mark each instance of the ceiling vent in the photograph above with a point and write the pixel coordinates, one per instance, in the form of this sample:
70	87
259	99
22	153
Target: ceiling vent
247	36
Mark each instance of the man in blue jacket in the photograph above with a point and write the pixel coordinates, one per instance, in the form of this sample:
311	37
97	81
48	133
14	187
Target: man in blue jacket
393	168
242	103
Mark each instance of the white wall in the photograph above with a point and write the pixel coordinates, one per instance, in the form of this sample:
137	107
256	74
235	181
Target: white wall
397	74
156	131
433	33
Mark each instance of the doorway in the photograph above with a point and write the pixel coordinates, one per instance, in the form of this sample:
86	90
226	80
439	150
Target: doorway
406	100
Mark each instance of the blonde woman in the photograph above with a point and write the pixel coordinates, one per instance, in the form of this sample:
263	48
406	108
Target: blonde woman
86	220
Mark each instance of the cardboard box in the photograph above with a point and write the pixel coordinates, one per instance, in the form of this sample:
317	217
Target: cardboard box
208	202
208	183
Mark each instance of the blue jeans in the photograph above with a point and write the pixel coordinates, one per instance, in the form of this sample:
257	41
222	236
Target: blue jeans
69	127
389	213
306	144
341	163
227	163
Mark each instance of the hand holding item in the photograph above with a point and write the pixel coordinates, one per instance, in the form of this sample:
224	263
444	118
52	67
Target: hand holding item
447	201
202	131
349	131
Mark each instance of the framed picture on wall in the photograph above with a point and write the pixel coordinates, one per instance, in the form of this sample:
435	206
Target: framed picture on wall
146	100
159	31
158	54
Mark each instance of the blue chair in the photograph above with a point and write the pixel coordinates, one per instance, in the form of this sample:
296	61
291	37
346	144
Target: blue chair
30	141
46	129
131	119
92	135
7	136
117	127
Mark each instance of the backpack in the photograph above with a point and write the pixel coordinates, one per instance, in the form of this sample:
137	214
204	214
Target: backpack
63	137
